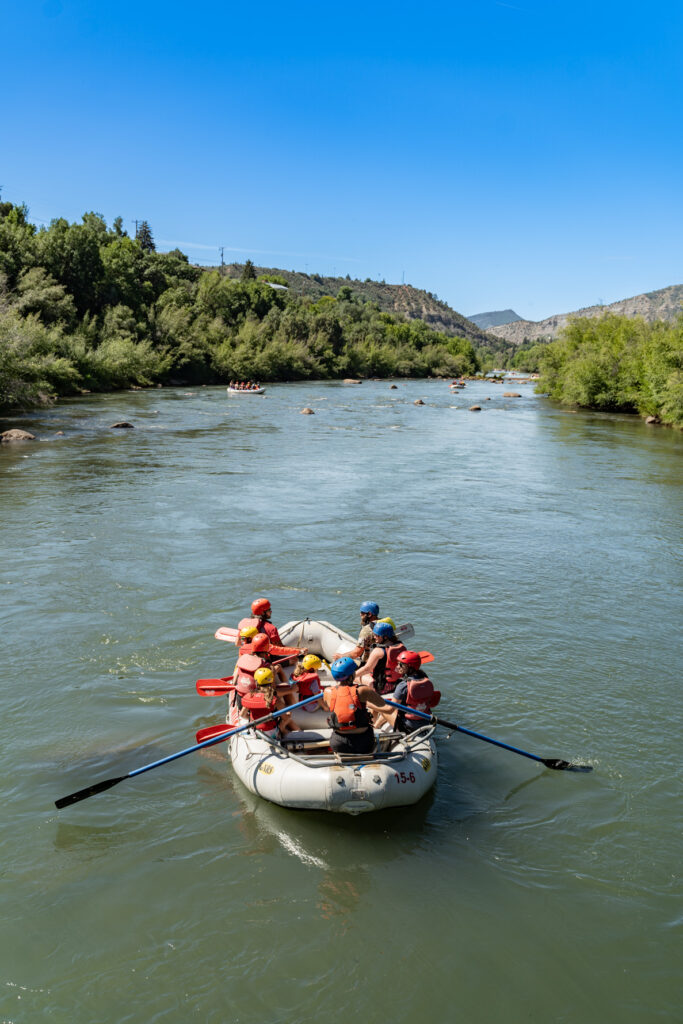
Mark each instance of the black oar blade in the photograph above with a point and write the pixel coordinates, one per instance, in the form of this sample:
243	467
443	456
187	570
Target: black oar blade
83	794
565	766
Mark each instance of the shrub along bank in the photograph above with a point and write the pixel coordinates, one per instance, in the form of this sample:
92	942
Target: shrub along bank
86	307
615	364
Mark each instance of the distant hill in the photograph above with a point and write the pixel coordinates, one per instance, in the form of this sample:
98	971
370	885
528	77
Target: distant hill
402	299
494	319
665	304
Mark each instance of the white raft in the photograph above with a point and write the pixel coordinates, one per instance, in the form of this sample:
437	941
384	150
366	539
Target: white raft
245	391
302	773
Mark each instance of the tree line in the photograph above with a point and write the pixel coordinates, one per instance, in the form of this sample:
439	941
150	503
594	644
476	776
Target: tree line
615	364
86	307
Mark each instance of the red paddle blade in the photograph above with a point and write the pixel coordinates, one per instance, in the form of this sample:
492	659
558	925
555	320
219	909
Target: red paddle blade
425	657
227	633
213	730
214	687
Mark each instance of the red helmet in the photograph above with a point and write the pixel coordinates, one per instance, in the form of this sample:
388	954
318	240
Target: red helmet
260	606
411	659
260	643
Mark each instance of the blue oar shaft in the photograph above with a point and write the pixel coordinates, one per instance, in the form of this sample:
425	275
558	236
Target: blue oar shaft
219	739
469	732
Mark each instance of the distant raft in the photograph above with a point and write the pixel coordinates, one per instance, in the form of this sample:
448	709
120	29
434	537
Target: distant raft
246	391
301	772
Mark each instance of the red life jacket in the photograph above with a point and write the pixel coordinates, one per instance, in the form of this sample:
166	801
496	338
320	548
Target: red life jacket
258	706
385	673
348	710
247	664
308	683
393	652
421	695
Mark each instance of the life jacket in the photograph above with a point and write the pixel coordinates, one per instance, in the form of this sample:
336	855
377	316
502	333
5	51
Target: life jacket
309	686
384	673
393	652
257	706
246	665
348	710
421	695
308	683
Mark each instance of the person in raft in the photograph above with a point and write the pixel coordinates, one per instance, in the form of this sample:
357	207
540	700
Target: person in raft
369	610
350	720
265	701
380	670
261	612
307	680
415	690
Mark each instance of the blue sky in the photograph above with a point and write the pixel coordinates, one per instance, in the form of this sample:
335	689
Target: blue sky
498	154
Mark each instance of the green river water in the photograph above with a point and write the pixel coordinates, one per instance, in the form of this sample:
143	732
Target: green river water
537	553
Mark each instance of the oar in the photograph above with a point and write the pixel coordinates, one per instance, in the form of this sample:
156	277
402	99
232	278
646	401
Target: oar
100	787
212	687
549	762
219	687
212	730
425	657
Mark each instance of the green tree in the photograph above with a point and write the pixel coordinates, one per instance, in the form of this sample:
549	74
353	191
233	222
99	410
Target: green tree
248	272
144	237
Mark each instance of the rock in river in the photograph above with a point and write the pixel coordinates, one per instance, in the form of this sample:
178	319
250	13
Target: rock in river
475	408
307	412
122	425
511	394
418	401
16	435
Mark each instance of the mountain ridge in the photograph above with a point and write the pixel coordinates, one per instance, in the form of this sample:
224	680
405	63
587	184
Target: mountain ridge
663	304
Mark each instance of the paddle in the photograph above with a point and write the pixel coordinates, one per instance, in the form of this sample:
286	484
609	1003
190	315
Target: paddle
212	730
219	687
100	787
215	687
549	762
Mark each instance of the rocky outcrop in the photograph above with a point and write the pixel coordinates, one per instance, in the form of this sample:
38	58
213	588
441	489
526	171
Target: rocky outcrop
665	304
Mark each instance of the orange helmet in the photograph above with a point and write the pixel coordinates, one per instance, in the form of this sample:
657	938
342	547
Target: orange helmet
260	606
260	643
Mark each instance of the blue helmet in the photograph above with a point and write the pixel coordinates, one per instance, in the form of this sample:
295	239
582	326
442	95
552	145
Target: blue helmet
383	630
343	668
370	608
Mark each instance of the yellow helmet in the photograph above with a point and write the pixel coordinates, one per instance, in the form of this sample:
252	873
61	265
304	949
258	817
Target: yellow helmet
390	621
263	677
311	661
248	632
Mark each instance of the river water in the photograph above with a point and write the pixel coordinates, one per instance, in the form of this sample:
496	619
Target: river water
537	553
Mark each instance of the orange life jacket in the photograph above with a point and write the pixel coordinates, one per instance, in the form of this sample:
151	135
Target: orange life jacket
348	710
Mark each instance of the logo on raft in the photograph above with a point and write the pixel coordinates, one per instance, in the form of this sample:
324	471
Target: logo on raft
266	769
426	764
